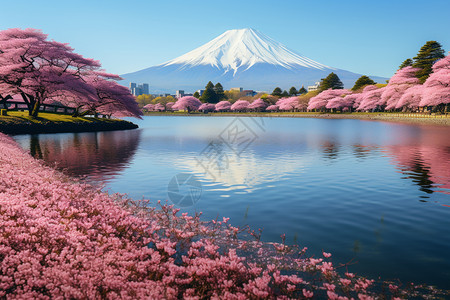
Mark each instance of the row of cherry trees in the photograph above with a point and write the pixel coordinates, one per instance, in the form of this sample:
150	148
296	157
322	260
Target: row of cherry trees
403	92
44	71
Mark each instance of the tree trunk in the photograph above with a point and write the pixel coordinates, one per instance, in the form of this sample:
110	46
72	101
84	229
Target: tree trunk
35	110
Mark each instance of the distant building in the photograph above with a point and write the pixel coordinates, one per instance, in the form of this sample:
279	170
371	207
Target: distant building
314	87
249	93
179	94
141	89
237	89
200	92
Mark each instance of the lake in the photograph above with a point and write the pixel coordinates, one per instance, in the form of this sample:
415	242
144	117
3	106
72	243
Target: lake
373	193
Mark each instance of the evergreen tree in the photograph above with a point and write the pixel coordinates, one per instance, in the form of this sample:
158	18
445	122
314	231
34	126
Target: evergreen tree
209	95
427	56
293	91
197	95
277	92
285	94
302	90
407	63
218	88
362	81
332	81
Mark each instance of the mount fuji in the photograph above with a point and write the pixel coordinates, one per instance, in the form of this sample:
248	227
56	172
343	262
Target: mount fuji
238	58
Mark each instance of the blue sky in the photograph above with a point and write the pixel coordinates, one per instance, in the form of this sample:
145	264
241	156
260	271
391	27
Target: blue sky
367	37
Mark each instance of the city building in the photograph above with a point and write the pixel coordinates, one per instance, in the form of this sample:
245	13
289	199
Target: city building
200	92
237	89
179	94
140	89
314	87
248	93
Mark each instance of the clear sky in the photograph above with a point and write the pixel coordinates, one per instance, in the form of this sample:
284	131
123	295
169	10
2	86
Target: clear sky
367	37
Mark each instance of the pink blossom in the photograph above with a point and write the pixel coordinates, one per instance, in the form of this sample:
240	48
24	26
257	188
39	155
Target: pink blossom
207	107
307	294
258	104
188	103
240	105
223	106
437	86
272	107
320	101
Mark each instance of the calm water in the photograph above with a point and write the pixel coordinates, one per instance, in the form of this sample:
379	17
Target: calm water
371	192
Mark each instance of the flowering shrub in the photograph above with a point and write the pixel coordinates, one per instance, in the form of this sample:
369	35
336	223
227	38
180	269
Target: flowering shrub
64	239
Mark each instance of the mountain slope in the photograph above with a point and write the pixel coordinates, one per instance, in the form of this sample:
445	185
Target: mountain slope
238	58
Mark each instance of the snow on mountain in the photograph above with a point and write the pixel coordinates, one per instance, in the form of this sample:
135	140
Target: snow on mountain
241	49
240	57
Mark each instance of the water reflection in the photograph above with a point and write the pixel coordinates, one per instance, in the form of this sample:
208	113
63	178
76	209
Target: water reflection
98	155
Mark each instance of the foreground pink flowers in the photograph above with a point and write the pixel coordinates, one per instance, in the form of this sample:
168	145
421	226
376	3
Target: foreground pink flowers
63	239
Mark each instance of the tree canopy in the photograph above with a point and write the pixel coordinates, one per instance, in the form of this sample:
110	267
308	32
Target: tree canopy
43	71
429	53
407	63
218	88
277	92
293	91
209	95
332	81
361	82
302	90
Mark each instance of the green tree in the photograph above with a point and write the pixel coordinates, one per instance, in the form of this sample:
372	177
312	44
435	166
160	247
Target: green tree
144	99
197	95
427	56
302	90
407	63
277	92
293	91
218	88
332	81
209	95
284	94
362	81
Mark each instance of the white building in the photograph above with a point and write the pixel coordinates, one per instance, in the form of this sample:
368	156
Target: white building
314	87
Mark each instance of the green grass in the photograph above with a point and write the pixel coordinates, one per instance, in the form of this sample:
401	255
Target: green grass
45	117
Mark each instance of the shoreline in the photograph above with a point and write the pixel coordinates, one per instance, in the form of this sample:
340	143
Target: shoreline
16	124
439	120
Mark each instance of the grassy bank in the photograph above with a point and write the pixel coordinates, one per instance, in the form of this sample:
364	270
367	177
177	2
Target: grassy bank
17	122
388	117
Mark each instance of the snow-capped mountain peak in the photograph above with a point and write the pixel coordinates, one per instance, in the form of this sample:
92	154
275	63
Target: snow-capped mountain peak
240	49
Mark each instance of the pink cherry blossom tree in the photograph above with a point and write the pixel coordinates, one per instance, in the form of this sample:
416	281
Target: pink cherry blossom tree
272	107
169	106
207	107
111	97
371	98
223	106
411	98
159	107
437	86
402	80
39	69
149	107
188	103
240	105
258	105
320	101
287	104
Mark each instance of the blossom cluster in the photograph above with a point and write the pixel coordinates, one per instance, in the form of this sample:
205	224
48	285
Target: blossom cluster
60	238
403	91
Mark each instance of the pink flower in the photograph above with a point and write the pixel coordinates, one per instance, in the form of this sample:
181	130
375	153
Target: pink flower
307	294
